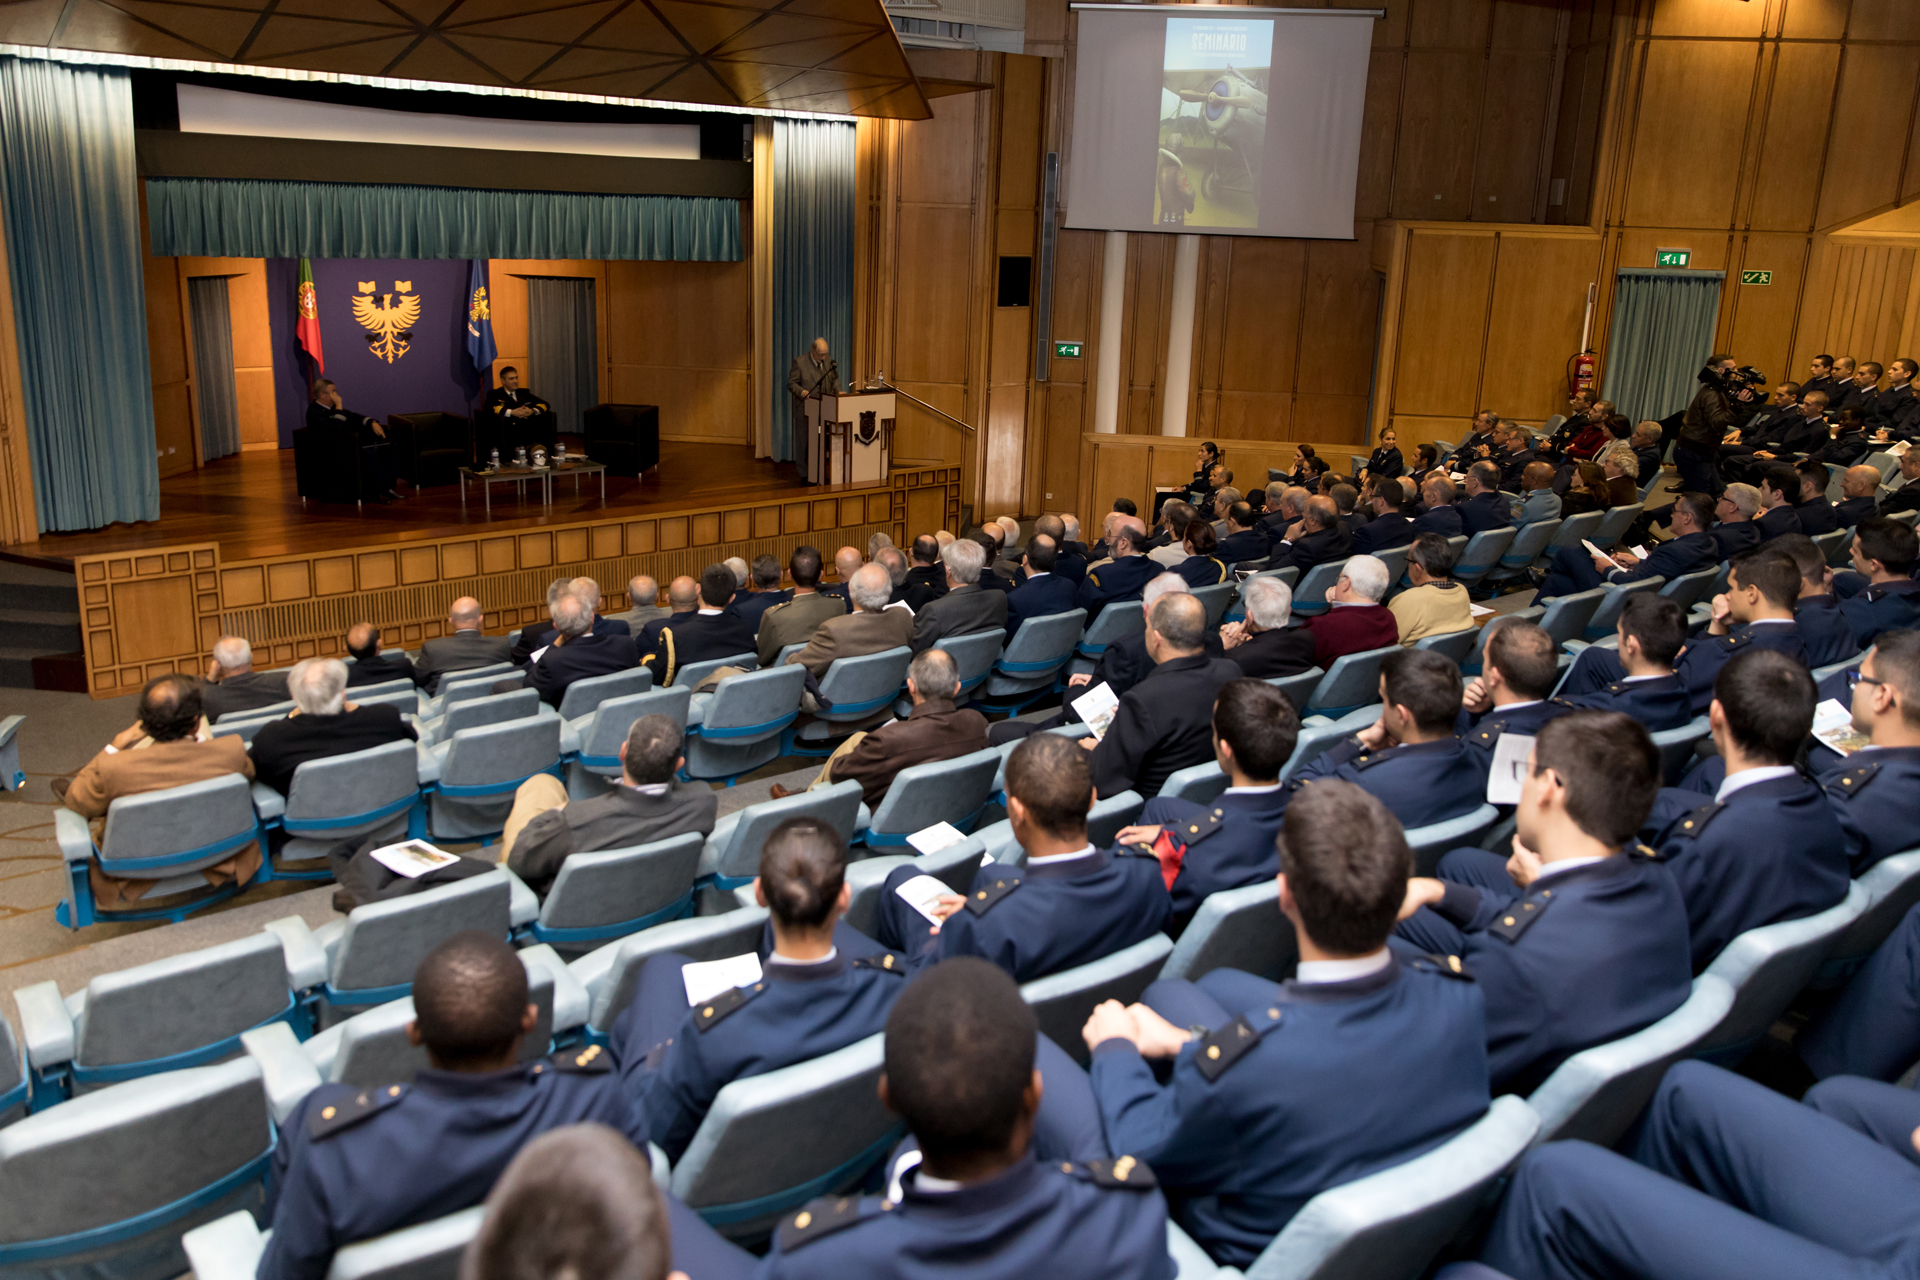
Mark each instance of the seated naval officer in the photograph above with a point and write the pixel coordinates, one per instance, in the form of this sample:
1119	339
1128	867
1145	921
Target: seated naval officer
1512	693
1872	1029
1824	627
1650	633
330	415
1725	1180
961	1071
516	416
1125	576
1410	757
1578	938
1070	904
1280	1091
809	1001
1692	549
1204	848
1767	847
712	631
353	1163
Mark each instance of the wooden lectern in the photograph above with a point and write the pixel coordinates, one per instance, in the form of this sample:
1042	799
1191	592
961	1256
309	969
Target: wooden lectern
849	437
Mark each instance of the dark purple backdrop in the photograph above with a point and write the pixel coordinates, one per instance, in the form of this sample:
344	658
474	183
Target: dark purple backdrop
433	374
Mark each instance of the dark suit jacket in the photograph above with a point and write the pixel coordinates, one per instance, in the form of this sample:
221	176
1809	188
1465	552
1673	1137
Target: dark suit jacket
688	638
461	651
1247	544
1123	579
1511	466
1165	723
536	637
964	610
1484	511
1270	654
925	583
1778	520
379	669
590	655
750	607
1038	597
1383	534
282	746
933	730
622	818
1310	549
247	692
1851	511
1444	521
1730	539
1816	516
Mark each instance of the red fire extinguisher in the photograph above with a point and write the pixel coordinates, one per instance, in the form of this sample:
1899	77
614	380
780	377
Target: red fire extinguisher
1585	370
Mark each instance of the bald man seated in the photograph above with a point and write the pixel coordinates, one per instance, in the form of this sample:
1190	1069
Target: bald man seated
464	647
369	665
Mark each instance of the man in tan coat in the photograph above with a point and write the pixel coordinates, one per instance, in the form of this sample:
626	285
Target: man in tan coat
870	628
169	715
795	621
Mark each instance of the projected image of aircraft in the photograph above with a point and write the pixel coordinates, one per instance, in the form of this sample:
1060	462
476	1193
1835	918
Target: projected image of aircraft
1229	118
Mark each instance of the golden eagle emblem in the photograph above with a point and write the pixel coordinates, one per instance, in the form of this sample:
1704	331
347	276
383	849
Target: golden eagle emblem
480	310
388	318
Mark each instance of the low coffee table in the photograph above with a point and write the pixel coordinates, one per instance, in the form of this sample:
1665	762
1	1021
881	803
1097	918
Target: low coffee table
542	478
577	467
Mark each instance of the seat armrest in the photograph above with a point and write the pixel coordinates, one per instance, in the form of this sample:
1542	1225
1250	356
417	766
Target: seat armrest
45	1025
718	841
306	958
227	1248
744	896
268	803
1190	1261
328	936
591	969
428	763
523	905
286	1071
569	737
571	1003
70	830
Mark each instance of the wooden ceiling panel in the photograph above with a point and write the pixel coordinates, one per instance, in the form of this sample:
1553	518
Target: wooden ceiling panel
221	29
375	13
30	21
562	26
635	26
282	36
364	58
694	83
93	25
708	26
581	64
515	60
436	59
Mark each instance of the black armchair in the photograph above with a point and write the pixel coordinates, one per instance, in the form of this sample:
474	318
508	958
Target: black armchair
430	448
626	437
326	465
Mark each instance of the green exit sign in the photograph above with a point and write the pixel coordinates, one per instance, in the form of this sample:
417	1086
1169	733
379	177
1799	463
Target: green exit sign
1672	257
1756	277
1067	350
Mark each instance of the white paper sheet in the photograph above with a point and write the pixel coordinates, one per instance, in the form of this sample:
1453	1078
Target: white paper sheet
921	893
412	858
1096	708
941	835
1833	725
1509	769
706	979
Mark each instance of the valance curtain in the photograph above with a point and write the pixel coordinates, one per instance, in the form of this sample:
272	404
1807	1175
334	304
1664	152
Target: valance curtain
1662	334
234	218
70	196
812	255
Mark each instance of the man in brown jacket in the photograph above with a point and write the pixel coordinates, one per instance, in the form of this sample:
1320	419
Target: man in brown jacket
170	709
935	730
870	628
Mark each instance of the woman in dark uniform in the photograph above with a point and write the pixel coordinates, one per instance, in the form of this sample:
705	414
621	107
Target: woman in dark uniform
1303	472
1386	460
1201	568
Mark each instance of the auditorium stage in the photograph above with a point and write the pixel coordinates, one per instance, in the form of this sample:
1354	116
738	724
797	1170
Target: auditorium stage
247	503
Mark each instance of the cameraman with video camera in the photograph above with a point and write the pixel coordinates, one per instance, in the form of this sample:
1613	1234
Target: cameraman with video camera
1724	401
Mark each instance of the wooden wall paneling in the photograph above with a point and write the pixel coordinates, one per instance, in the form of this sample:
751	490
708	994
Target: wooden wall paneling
1757	321
680	335
1690	132
1442	322
1248	347
1794	143
1450	24
1339	329
1878	19
1379	130
1439	119
167	360
1818	19
1011	448
1064	403
1709	18
1507	169
252	354
1533	324
1877	87
1143	332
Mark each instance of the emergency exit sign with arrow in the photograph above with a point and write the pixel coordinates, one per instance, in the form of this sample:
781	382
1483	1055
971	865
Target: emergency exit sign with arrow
1756	277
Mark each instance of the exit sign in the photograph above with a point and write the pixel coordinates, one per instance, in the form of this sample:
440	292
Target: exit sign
1756	277
1672	257
1067	350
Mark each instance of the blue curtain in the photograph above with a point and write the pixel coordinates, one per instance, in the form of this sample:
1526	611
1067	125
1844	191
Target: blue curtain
70	196
563	344
812	255
214	395
219	217
1662	334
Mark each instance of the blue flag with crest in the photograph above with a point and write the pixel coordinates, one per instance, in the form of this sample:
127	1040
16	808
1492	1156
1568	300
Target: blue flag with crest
480	348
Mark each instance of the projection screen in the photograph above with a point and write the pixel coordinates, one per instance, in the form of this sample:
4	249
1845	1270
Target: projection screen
1218	118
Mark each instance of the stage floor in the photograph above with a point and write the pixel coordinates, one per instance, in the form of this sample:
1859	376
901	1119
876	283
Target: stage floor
248	505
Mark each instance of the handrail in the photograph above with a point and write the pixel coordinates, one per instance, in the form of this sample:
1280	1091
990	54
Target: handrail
883	384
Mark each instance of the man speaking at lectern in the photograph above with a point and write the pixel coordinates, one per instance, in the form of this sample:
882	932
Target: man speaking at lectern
812	375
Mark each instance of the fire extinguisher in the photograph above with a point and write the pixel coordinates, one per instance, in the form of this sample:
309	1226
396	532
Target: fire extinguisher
1584	371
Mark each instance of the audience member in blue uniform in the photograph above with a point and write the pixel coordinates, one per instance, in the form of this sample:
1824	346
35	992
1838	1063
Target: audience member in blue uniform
1779	486
809	1001
1872	1029
1650	634
1692	549
1580	937
1202	565
1768	847
1727	1180
1389	528
960	1071
1884	552
1123	577
1411	759
1876	790
1518	670
1824	629
1484	507
1204	848
353	1163
1735	531
1247	1097
1069	905
1045	592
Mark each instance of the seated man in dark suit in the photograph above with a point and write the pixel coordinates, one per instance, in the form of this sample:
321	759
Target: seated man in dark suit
516	416
1227	843
646	805
323	724
1440	516
926	576
1071	904
1650	634
1779	486
1122	578
1691	550
1071	562
370	666
1577	939
1858	485
1045	592
1411	758
1285	509
1824	629
1388	528
1884	551
576	652
1266	644
587	590
231	684
1513	456
1768	847
709	632
1736	531
464	647
1903	486
966	607
1484	508
643	603
1815	512
1322	538
1355	620
1513	692
1243	540
1164	723
763	578
327	413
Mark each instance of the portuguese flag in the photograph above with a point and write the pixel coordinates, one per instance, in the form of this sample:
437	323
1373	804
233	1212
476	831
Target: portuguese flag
308	328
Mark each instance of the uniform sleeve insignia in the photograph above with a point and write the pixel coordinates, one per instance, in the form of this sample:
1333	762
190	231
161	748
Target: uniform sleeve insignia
1224	1047
350	1107
823	1217
1519	917
708	1015
1852	780
1445	966
1194	830
584	1060
1121	1172
888	963
1368	759
1696	822
982	900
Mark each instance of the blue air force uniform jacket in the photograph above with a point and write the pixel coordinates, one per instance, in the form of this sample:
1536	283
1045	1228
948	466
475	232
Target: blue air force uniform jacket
796	1012
1122	579
1658	702
1885	606
1482	734
1825	630
1099	1221
1229	843
1699	666
353	1163
1771	851
1422	783
1580	957
1037	920
1305	1088
1876	795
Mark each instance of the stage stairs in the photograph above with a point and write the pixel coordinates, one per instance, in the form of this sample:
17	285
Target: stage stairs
39	629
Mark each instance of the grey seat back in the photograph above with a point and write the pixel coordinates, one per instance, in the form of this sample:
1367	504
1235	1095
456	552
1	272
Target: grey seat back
707	938
1689	589
613	721
360	693
496	708
1566	617
693	673
1064	1001
458	686
1199	783
1391	1224
756	698
1236	929
1528	542
1431	841
129	1150
1311	742
1037	651
973	655
356	783
1313	588
612	886
496	753
1457	645
1483	552
214	813
407	699
1395	558
738	854
767	1135
372	1048
1606	616
861	686
1216	598
182	1003
1677	747
1767	967
241	729
1597	1094
1299	688
582	696
1118	620
866	879
1893	886
1352	681
272	711
1575	528
1616	522
13	1076
940	791
429	1251
385	942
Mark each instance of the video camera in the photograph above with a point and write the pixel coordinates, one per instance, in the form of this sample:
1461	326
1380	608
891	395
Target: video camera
1746	376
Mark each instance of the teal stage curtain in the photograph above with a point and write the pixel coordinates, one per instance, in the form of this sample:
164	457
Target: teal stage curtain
1662	334
218	217
69	193
812	255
